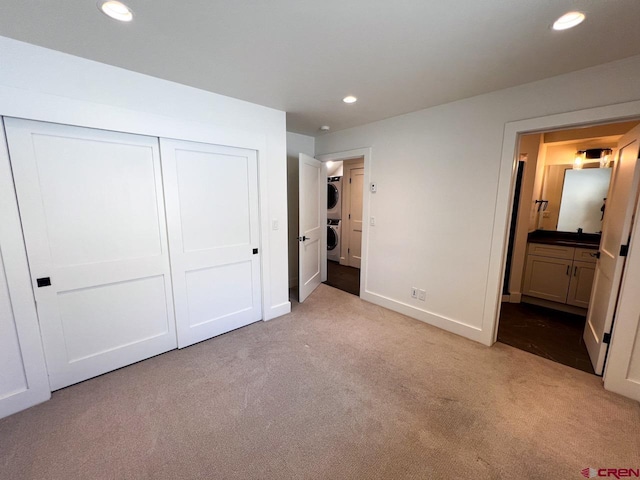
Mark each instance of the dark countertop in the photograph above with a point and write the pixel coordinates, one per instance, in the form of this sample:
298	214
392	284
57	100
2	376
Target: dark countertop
568	239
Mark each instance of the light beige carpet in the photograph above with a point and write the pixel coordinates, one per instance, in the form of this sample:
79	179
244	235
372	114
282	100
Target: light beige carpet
339	389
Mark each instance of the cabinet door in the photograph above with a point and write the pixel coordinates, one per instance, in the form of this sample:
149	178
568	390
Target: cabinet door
585	255
555	251
581	282
547	278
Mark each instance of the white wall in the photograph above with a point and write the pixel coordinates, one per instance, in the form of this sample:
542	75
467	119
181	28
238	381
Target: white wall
42	84
296	144
437	172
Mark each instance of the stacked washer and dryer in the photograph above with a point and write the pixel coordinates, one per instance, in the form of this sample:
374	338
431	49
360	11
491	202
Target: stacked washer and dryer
334	215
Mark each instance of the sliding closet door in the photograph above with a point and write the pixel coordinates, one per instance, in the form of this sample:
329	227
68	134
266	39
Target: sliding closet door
94	224
212	216
23	372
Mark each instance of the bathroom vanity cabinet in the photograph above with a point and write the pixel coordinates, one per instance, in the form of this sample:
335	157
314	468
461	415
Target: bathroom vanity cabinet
560	273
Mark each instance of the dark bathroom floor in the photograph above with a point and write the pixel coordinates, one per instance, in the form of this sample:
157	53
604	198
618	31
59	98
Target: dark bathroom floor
343	277
545	332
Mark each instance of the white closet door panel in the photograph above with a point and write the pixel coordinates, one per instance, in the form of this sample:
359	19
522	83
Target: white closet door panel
216	256
212	217
76	277
208	181
104	207
93	217
121	314
23	373
233	283
13	378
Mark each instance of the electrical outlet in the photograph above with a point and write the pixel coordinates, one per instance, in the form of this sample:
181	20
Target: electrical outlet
422	295
414	292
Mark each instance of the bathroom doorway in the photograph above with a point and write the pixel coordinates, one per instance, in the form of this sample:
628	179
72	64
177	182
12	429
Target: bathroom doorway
562	186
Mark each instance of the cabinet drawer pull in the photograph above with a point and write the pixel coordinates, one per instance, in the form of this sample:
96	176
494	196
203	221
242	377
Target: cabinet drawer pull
568	268
575	270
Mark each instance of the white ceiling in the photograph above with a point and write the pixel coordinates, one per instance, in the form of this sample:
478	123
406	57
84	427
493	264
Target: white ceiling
304	56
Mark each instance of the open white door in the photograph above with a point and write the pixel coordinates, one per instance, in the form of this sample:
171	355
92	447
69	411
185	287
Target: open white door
615	236
312	213
212	217
623	362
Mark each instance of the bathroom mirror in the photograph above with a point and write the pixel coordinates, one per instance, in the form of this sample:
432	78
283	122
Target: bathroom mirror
583	200
575	198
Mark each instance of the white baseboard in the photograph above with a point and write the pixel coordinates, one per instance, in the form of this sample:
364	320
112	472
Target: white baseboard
448	324
277	311
515	297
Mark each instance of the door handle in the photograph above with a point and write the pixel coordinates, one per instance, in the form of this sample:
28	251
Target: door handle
303	238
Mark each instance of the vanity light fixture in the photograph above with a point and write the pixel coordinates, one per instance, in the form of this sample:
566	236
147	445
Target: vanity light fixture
568	20
325	128
605	157
579	160
116	10
350	99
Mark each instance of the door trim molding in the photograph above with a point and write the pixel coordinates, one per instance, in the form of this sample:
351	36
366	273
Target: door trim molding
506	185
367	154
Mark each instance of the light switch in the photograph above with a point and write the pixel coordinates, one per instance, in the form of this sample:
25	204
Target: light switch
275	225
372	221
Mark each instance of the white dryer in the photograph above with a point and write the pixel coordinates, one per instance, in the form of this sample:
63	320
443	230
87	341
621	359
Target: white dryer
334	198
333	239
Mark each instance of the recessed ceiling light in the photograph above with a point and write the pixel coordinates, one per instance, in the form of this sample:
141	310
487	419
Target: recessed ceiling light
325	128
568	20
350	99
116	10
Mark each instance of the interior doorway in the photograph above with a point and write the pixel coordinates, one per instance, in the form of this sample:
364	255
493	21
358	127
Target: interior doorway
327	202
564	184
345	181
